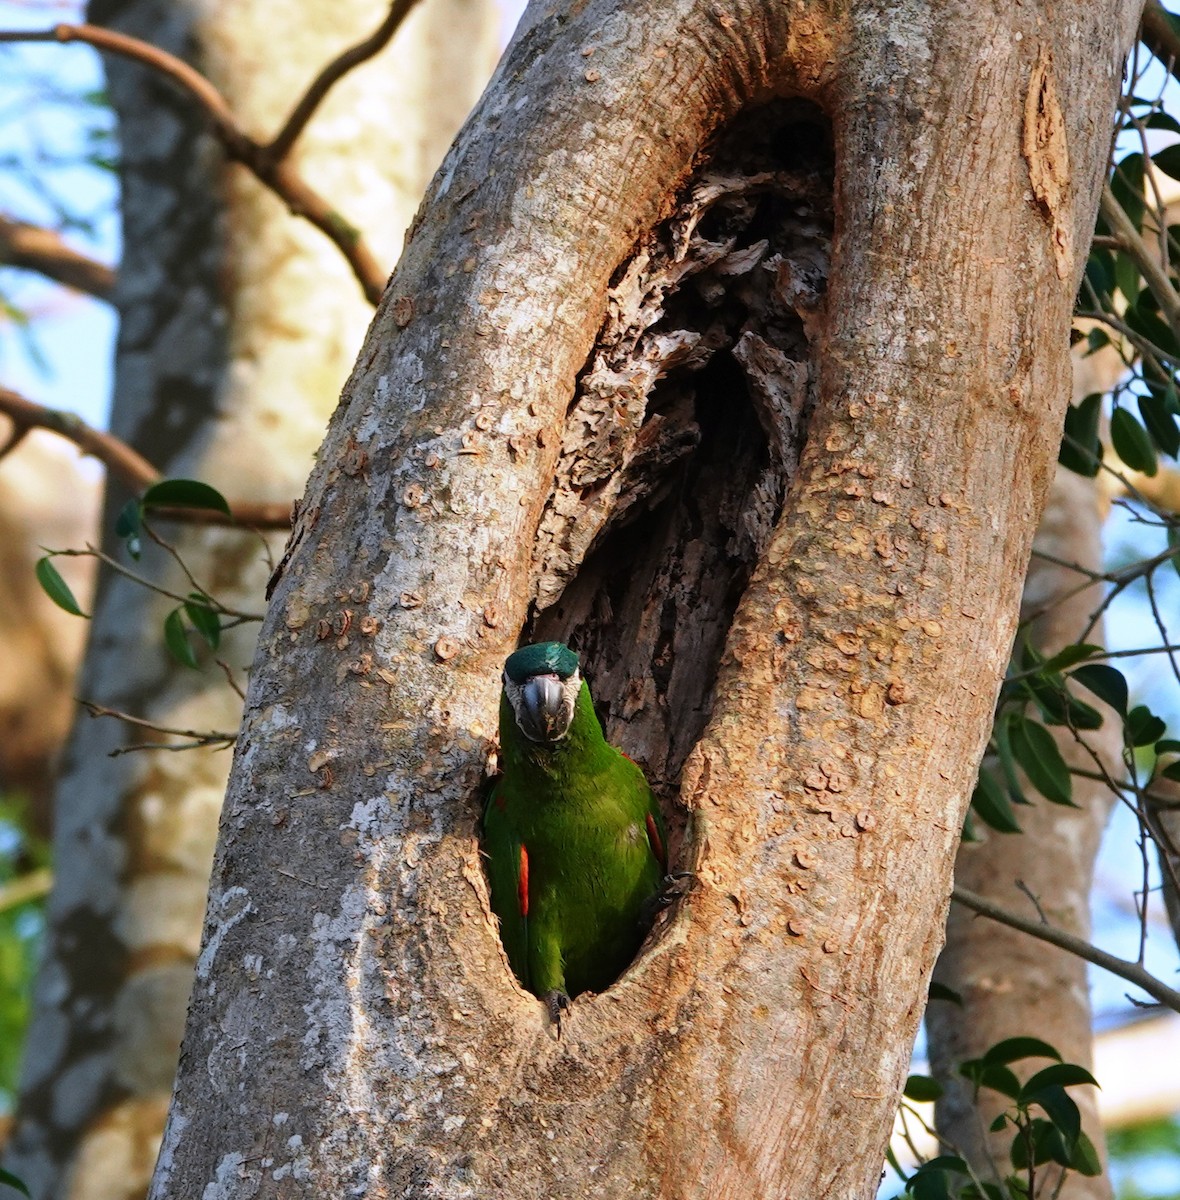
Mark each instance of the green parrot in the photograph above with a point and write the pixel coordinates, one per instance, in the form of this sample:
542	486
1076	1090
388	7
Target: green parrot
575	843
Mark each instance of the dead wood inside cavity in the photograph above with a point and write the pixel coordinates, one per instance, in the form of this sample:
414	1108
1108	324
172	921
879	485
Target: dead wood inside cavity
685	430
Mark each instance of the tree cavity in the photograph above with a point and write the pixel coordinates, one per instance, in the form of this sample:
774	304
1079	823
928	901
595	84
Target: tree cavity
686	429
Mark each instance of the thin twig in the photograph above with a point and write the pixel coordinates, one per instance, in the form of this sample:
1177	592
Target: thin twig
198	737
229	678
1129	971
295	124
143	581
1153	274
278	174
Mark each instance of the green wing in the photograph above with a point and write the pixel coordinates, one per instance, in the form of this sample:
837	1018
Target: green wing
506	857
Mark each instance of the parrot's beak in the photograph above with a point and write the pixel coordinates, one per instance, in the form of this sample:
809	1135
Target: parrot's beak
546	710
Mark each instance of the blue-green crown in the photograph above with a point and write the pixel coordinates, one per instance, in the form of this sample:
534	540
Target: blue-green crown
545	658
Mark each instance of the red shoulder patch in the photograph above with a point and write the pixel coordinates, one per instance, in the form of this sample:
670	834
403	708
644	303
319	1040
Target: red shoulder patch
522	883
657	843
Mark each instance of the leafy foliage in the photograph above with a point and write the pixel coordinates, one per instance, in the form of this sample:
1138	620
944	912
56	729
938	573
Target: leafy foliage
1044	1119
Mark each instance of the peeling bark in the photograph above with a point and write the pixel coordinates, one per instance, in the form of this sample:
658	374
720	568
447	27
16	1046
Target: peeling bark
355	1029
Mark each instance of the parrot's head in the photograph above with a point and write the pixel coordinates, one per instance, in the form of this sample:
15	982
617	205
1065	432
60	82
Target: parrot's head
542	683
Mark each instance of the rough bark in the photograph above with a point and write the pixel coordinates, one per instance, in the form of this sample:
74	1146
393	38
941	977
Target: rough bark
1012	985
354	1027
238	325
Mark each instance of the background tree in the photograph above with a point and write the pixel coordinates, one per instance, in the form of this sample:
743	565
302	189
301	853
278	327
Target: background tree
715	325
238	325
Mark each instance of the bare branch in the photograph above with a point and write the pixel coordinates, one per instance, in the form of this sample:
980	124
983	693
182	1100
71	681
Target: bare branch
33	886
1132	972
1149	266
119	458
280	146
197	737
34	248
278	175
1159	35
128	464
114	564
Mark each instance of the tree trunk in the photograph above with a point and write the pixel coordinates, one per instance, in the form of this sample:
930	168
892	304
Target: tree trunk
231	355
1013	985
530	441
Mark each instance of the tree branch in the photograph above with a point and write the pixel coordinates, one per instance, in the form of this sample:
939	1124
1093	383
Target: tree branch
1160	37
35	885
34	248
128	464
119	458
277	174
332	73
1148	263
211	737
1130	971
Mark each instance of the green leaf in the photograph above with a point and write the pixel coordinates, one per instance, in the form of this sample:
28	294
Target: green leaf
998	1124
1071	655
1162	120
1168	160
940	991
970	834
1131	442
1127	185
176	639
1160	423
1061	1110
922	1088
1081	448
1059	1075
1057	706
1106	682
1084	1158
929	1185
187	493
128	521
1143	726
1001	733
932	1180
1014	1049
1035	750
129	526
55	587
13	1181
991	1075
205	621
991	805
1172	772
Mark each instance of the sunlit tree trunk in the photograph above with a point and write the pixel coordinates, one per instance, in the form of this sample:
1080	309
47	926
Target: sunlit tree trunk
1010	984
238	326
558	441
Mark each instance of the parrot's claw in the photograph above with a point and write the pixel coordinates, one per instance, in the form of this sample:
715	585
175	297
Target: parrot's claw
556	1001
669	892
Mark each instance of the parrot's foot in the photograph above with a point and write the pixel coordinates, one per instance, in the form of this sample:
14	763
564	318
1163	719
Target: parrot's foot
556	1001
669	892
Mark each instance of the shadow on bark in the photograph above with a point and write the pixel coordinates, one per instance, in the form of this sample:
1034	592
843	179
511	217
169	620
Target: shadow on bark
685	431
